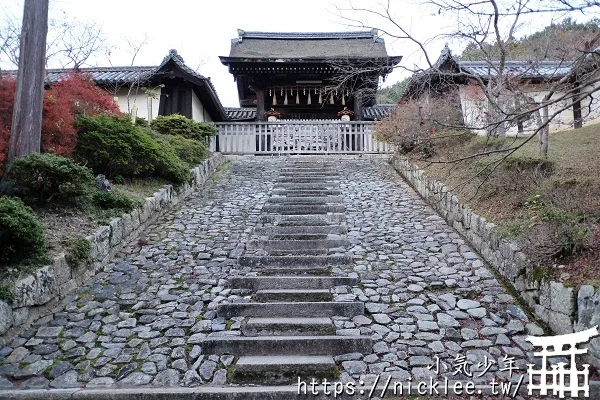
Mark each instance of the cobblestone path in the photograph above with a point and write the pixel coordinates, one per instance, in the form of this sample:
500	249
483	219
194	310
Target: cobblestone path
142	321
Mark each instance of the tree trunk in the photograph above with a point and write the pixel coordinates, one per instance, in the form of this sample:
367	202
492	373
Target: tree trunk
544	132
26	126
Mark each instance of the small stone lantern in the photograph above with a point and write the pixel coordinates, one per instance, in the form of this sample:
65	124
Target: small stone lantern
272	115
345	114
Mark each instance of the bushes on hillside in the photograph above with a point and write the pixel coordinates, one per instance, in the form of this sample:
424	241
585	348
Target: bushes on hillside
114	200
112	145
45	178
74	95
190	151
179	125
21	234
514	176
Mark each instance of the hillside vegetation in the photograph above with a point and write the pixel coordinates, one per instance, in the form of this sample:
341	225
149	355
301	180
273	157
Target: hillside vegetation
551	206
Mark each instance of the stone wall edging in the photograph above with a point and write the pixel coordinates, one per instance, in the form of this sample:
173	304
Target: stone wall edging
36	294
564	309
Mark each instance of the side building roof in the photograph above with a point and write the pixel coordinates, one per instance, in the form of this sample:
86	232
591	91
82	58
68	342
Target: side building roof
171	66
447	69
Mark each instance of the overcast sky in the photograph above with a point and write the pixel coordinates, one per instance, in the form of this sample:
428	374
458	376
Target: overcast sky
202	30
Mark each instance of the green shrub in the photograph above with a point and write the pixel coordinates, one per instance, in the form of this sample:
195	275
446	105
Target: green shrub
78	251
22	236
114	146
171	167
190	151
178	125
113	200
139	121
46	178
6	294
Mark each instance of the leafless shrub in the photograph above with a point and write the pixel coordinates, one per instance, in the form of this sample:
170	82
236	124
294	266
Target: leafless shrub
414	125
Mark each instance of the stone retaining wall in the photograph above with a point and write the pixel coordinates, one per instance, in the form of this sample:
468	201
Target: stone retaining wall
563	308
36	294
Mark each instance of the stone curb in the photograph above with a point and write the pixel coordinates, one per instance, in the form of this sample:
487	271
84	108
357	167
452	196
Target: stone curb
37	293
562	308
218	393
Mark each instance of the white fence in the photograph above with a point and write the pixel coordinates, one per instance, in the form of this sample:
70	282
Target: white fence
297	137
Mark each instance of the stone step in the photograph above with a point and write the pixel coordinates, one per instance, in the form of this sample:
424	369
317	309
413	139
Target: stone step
305	200
286	345
306	186
305	193
296	245
308	170
289	282
301	236
290	295
307	181
304	236
294	261
299	309
306	219
303	209
279	370
288	327
295	271
304	173
300	252
300	230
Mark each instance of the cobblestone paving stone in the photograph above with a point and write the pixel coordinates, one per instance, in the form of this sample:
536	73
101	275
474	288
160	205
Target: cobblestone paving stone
428	293
139	322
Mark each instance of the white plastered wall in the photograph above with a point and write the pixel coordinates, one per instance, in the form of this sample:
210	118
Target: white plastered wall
138	97
199	113
474	107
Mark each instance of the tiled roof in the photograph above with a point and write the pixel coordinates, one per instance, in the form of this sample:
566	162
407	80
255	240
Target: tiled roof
105	75
447	68
377	112
240	114
210	88
486	69
374	113
522	69
300	45
117	76
174	56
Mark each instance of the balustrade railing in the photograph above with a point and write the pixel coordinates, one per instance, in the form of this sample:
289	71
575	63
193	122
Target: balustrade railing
298	137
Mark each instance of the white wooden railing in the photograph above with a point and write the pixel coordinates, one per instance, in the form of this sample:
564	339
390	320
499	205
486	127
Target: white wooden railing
297	137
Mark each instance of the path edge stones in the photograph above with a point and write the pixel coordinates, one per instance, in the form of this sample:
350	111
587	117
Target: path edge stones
201	393
564	309
37	293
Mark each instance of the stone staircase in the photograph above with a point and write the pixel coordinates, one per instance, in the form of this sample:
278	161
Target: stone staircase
287	331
